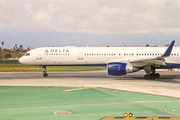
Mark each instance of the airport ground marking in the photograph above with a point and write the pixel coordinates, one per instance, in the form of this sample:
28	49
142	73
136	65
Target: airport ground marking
140	118
78	89
61	113
155	101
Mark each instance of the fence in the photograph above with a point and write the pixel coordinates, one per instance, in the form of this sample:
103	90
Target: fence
9	62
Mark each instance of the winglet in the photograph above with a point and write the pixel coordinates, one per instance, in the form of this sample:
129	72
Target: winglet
169	49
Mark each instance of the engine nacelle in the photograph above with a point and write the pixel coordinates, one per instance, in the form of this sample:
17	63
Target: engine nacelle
117	68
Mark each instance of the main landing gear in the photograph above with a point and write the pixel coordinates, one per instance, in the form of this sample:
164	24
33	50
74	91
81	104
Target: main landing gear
44	71
152	76
151	73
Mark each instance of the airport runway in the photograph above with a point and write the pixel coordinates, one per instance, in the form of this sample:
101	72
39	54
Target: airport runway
167	85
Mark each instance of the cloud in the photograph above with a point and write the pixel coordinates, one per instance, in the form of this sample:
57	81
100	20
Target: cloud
91	16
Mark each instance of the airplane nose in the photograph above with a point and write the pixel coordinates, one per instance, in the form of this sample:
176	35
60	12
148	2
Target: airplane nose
21	60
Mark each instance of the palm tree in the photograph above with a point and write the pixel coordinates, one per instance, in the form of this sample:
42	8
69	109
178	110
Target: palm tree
15	46
2	43
0	53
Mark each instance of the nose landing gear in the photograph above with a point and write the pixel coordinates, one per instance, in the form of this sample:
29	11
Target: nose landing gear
44	70
45	74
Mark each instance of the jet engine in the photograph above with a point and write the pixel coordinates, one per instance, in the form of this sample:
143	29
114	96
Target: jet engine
117	68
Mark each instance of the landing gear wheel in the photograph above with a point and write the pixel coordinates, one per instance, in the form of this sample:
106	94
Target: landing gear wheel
45	75
44	70
157	75
146	77
153	77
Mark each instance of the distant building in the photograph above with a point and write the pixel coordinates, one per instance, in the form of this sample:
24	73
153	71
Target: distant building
22	53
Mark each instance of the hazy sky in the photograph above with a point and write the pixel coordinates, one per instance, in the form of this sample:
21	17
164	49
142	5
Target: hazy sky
37	23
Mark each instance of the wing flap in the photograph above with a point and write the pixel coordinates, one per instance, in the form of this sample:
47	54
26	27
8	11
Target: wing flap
144	62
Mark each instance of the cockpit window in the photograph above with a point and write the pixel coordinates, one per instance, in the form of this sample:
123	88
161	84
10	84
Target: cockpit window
27	54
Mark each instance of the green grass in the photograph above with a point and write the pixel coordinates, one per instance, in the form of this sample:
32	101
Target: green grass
27	68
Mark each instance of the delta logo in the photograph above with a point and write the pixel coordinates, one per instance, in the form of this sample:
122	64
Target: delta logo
46	51
58	51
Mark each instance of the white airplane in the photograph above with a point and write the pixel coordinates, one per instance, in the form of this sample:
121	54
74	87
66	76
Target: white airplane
119	60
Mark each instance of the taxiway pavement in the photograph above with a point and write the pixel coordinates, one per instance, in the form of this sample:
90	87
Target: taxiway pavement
167	85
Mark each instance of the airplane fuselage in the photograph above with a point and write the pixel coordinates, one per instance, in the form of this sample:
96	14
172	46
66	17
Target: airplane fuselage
95	56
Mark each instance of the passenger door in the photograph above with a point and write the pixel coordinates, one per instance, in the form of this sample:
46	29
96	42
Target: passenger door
39	56
80	55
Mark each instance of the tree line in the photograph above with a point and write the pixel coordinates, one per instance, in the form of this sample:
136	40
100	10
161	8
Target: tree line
16	52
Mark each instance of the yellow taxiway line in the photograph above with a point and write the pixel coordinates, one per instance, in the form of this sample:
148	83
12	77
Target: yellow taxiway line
156	101
78	89
140	118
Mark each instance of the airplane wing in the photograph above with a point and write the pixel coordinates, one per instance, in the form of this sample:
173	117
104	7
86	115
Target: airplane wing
155	61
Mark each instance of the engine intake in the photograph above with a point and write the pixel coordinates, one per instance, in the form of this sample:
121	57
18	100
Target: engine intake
117	68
